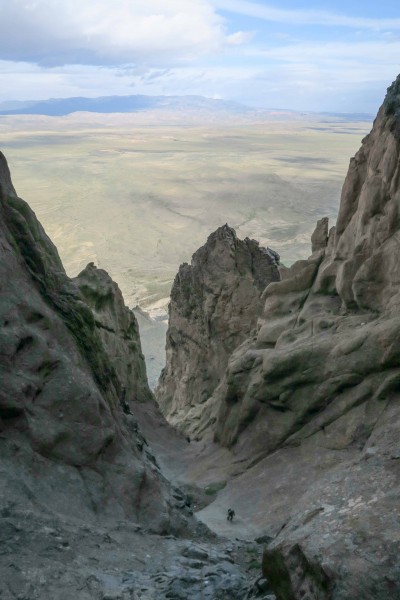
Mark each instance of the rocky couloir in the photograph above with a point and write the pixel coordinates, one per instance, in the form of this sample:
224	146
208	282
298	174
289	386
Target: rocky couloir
307	411
309	406
85	511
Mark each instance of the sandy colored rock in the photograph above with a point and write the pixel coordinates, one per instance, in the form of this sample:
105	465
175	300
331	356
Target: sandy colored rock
330	325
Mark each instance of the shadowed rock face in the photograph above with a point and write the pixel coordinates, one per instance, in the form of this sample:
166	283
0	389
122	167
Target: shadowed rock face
118	330
214	305
315	396
66	444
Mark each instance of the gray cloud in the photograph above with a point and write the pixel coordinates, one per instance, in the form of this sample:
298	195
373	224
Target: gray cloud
57	32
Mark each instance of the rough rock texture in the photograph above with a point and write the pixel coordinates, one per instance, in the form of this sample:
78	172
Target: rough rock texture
315	395
51	558
214	305
66	445
118	330
319	238
84	508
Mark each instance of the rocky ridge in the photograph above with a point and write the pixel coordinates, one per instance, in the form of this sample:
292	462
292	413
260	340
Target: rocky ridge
215	302
85	511
118	329
61	417
307	409
309	405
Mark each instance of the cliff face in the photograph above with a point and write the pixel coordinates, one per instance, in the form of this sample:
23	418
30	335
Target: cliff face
214	305
119	332
314	398
330	326
66	443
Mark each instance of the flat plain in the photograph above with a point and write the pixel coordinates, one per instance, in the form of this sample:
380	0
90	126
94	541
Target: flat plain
138	194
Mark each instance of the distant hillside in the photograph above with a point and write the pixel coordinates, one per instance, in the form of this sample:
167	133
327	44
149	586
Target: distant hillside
58	107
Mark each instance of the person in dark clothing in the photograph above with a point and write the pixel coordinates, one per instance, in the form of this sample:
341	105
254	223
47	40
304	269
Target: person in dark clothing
231	514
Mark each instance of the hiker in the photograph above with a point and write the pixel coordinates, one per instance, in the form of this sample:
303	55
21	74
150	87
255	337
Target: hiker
231	514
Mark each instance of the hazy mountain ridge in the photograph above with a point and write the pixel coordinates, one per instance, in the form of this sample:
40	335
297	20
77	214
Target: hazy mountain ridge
119	104
141	103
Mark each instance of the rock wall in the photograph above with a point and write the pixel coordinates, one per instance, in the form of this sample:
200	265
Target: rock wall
119	332
214	305
331	324
66	443
313	400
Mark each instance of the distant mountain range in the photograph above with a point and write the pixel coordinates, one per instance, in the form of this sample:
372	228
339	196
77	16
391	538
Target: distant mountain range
59	107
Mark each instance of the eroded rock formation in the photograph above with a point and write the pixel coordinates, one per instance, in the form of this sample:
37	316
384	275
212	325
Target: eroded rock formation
215	302
66	444
119	332
84	508
314	397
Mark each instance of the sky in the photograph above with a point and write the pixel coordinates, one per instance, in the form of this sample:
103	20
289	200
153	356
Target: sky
332	55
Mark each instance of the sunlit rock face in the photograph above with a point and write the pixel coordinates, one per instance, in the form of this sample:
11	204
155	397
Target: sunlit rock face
67	444
215	302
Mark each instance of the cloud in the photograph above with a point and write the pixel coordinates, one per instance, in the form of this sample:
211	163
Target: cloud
345	86
56	32
303	16
61	48
370	52
240	37
26	81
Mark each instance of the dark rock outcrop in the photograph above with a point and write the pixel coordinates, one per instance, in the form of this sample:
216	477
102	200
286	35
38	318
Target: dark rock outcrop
293	575
214	305
66	444
84	508
118	330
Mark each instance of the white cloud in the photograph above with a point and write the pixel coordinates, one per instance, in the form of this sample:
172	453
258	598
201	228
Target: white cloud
370	53
240	37
62	48
25	81
54	32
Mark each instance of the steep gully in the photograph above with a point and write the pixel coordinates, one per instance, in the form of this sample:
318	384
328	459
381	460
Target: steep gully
298	430
308	404
85	510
